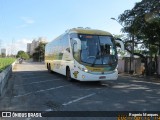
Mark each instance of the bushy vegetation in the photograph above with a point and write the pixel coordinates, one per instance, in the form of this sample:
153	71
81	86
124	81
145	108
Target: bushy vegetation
22	54
142	22
5	62
38	55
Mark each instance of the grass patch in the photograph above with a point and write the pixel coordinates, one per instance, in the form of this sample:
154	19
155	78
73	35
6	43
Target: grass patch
5	62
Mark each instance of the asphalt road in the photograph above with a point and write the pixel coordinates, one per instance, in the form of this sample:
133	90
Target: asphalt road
32	88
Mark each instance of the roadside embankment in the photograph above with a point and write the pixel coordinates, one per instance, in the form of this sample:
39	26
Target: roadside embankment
4	76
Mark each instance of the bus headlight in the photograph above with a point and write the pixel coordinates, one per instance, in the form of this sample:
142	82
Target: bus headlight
85	70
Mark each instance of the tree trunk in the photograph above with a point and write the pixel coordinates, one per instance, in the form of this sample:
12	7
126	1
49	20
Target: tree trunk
132	56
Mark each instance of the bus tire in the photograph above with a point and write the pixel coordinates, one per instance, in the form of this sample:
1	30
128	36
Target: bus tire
49	68
68	74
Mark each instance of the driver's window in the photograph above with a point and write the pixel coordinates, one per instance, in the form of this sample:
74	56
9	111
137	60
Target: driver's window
105	49
106	45
75	47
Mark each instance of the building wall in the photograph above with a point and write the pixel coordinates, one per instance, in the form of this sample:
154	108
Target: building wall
28	48
138	66
121	66
34	44
124	65
4	51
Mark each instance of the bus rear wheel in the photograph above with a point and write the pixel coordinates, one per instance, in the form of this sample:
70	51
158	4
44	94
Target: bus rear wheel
68	75
49	68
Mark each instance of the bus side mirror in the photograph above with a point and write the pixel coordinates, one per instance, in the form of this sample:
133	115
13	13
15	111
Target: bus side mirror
74	46
78	42
118	40
68	49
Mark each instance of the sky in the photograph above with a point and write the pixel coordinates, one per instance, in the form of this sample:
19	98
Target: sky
21	21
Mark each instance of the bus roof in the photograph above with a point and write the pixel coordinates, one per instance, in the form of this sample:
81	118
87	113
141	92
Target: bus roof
89	31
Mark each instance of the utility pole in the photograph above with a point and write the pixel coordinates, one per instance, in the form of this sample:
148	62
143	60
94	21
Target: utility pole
12	47
0	45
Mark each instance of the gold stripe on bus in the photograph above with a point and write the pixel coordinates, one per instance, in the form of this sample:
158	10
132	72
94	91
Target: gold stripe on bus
97	69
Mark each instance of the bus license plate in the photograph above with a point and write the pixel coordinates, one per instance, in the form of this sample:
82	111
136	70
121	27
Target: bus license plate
102	77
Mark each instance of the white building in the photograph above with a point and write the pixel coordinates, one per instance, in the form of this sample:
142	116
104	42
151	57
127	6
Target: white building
28	48
4	51
31	46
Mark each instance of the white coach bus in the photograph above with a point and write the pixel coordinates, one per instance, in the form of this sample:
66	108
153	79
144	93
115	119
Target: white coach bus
83	54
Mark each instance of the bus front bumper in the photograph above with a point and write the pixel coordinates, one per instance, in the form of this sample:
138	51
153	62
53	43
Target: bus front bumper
84	76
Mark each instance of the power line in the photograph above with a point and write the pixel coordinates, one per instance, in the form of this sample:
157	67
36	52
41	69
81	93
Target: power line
13	46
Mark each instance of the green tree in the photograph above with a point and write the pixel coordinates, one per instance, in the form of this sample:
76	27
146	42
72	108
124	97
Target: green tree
3	55
22	54
143	21
38	55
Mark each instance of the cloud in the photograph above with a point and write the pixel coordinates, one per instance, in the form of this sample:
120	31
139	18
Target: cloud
22	26
24	41
14	47
27	20
22	44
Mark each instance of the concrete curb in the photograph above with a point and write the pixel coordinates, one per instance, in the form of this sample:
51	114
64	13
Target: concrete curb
4	76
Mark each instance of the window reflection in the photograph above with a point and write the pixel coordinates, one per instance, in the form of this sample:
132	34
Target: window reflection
96	47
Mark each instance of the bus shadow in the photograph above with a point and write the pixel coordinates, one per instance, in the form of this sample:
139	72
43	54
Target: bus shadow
92	84
44	74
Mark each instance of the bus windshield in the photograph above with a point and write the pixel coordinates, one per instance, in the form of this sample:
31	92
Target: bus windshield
97	50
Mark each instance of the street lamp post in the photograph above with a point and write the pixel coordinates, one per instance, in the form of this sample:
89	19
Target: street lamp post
132	50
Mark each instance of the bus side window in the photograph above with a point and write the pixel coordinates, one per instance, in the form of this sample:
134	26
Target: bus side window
65	41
